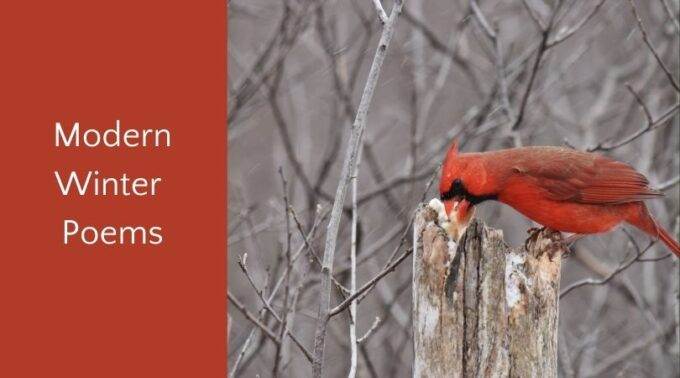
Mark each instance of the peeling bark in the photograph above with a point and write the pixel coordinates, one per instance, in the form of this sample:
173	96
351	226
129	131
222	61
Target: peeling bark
481	308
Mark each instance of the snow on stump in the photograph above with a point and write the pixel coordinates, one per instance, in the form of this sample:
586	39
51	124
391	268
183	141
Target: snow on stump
481	308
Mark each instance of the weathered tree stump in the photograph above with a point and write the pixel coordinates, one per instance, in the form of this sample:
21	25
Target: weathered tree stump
481	308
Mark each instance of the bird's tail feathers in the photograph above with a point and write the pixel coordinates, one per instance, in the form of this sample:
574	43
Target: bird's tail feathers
648	224
672	244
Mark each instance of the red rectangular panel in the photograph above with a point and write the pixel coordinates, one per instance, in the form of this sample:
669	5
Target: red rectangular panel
116	310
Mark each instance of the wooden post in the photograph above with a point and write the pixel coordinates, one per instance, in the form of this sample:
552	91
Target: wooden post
481	308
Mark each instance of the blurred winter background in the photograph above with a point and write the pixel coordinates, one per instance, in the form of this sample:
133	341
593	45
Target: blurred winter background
529	72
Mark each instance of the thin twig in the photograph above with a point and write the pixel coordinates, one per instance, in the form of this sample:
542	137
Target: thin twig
642	104
286	288
645	38
673	17
542	48
655	259
256	321
337	309
534	16
622	353
503	88
370	331
267	305
451	52
312	252
391	184
391	262
320	218
532	77
666	116
564	34
479	16
353	273
668	183
382	16
589	281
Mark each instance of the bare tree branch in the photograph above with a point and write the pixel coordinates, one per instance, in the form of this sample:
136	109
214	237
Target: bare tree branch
479	16
660	121
347	171
272	295
626	351
382	16
368	285
589	281
564	34
668	183
353	273
534	16
267	305
370	331
252	318
671	15
668	73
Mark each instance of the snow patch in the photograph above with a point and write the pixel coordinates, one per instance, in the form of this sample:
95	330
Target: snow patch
429	316
513	277
453	246
438	206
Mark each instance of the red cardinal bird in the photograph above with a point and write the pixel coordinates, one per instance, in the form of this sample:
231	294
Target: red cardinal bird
560	188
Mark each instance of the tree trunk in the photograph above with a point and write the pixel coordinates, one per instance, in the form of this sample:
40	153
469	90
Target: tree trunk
481	308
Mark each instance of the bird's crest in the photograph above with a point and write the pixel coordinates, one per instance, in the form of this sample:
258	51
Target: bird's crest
447	168
452	153
453	150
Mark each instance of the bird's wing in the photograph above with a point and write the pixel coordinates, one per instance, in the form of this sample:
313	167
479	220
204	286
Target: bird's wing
586	178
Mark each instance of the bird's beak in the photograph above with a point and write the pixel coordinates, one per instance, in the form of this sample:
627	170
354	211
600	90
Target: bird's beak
464	211
448	206
459	209
459	212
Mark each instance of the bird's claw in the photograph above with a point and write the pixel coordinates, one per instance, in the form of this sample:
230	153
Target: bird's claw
557	243
533	235
557	247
